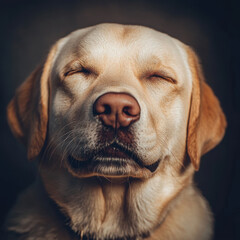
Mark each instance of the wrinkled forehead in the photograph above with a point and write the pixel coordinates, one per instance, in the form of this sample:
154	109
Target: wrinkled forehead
115	43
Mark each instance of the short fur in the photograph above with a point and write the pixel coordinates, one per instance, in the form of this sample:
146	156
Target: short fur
181	119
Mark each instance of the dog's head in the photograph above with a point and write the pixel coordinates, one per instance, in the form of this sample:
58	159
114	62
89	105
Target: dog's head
117	101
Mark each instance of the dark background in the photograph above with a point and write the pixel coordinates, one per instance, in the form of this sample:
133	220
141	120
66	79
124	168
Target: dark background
29	28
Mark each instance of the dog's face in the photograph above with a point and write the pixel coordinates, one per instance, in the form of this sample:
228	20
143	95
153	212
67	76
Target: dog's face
119	102
120	98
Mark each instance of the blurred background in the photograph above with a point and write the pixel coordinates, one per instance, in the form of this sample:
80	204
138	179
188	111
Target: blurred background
29	28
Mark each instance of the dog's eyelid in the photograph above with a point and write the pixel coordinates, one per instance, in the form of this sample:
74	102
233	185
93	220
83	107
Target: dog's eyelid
164	73
75	67
169	79
163	76
82	70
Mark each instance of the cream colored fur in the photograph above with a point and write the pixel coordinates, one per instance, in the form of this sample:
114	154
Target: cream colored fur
164	76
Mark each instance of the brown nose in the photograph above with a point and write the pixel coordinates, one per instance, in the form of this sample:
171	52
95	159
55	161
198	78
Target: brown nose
117	109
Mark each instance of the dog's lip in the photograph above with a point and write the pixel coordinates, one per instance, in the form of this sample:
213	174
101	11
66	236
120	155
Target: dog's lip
117	150
112	161
113	152
153	167
103	166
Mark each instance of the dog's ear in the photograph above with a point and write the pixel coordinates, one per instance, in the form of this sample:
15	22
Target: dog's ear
27	112
207	122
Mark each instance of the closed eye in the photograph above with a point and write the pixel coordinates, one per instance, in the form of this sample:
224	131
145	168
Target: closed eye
156	76
82	70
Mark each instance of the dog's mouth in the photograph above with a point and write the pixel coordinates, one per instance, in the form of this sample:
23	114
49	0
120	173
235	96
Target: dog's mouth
114	160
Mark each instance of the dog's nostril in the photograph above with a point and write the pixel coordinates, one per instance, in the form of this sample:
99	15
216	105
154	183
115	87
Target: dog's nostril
107	109
126	111
130	111
101	109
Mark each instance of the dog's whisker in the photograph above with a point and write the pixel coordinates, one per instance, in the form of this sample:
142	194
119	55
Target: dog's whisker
54	138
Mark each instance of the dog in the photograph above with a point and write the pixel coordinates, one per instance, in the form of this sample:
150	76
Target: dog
118	118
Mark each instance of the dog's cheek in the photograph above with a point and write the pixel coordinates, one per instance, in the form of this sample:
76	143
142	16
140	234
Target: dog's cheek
146	141
61	103
162	130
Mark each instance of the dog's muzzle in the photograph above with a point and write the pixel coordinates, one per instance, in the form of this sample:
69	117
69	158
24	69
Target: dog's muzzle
116	157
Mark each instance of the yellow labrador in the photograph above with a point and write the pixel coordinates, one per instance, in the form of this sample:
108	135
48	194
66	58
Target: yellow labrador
118	117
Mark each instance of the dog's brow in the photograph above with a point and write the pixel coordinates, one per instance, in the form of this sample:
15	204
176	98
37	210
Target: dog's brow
73	64
154	65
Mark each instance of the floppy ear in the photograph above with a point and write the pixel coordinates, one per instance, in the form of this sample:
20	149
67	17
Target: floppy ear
207	122
27	112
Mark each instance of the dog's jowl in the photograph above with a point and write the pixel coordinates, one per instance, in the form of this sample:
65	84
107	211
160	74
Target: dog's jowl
118	118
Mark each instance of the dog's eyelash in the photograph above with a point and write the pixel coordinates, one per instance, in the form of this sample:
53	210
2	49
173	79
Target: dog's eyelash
169	79
82	70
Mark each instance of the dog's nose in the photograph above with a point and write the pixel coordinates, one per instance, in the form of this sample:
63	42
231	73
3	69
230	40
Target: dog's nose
117	109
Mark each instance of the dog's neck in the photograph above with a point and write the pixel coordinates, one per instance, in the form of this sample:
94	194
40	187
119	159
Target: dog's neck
114	204
85	209
99	207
